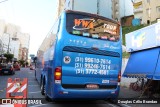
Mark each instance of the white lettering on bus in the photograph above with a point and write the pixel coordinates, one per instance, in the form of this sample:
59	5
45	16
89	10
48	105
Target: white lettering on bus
92	66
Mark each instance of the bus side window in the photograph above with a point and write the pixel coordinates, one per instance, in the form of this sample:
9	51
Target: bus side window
54	32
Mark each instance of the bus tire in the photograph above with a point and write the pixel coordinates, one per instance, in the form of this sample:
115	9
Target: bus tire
42	86
45	93
47	98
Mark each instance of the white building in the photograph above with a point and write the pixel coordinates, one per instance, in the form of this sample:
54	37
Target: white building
114	9
10	45
126	8
15	46
13	41
12	29
147	10
24	39
2	27
5	43
2	30
101	7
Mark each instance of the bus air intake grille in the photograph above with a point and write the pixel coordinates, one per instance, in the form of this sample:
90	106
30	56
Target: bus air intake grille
91	51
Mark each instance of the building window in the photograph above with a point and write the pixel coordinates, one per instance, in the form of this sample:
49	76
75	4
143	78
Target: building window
158	9
148	1
148	12
68	5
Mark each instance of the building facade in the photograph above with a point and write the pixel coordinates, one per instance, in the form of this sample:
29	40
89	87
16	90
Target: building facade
114	9
125	8
12	29
101	7
13	41
2	27
10	45
24	39
15	46
147	10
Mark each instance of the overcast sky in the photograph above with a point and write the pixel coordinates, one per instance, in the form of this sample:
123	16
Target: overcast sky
35	17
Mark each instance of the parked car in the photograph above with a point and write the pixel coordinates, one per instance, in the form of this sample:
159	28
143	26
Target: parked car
17	67
31	67
8	69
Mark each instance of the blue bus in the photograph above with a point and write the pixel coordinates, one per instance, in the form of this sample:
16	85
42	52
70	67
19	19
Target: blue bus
80	58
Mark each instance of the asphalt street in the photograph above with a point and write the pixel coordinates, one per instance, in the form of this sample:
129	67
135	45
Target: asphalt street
34	92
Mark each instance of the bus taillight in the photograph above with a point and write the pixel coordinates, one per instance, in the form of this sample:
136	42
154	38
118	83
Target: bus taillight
58	73
119	76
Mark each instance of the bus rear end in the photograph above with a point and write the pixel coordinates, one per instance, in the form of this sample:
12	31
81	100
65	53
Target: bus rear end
90	58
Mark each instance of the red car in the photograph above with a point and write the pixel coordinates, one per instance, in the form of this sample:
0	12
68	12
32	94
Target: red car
17	67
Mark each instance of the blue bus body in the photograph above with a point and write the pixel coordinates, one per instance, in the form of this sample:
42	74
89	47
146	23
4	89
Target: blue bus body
76	67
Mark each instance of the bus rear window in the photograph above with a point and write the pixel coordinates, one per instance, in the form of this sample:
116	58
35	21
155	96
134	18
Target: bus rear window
91	27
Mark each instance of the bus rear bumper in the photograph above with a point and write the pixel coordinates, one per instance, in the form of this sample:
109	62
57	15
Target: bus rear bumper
73	94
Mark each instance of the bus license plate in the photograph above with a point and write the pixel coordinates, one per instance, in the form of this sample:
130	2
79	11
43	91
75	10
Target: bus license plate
92	86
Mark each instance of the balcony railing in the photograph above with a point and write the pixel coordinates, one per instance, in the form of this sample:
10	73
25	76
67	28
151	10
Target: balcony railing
138	7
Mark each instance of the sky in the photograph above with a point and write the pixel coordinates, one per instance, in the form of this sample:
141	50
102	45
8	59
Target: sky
35	17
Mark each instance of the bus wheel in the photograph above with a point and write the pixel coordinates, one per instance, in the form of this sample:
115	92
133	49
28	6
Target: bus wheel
45	94
42	87
47	98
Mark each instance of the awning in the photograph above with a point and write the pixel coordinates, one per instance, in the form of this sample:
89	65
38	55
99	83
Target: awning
144	64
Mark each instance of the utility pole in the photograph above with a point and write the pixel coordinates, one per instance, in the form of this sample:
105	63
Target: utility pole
8	44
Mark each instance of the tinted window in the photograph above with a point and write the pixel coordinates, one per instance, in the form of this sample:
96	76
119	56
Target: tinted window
50	38
9	66
92	27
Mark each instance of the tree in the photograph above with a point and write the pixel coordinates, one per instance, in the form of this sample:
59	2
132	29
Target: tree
9	57
22	62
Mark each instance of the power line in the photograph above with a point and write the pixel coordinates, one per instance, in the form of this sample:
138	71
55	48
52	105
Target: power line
3	1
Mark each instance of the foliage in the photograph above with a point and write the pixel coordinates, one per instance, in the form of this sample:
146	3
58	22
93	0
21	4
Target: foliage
27	63
9	57
22	62
126	55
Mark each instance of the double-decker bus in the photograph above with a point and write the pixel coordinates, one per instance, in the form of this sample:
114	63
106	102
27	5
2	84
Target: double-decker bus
80	58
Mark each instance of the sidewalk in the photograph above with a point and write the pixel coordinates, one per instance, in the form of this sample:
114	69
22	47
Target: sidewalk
125	92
